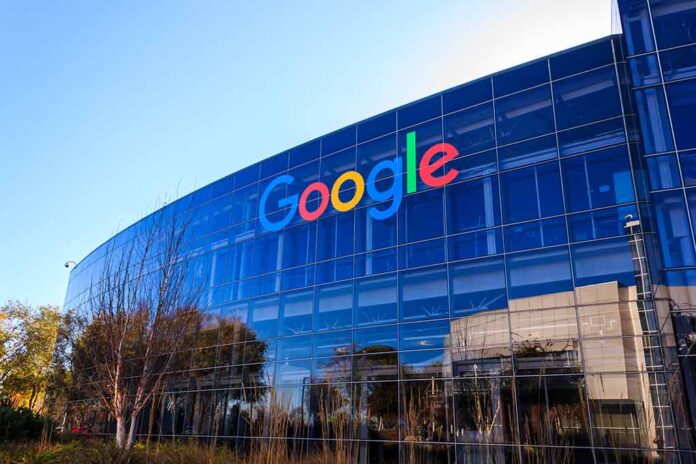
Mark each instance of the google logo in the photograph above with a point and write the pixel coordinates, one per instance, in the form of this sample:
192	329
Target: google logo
428	166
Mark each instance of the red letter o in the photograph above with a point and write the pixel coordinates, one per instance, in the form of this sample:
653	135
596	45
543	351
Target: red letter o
323	203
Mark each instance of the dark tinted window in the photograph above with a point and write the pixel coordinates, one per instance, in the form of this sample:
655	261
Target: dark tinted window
467	95
520	78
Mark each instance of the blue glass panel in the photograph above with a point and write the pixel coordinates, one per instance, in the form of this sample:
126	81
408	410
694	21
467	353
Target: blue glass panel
376	300
420	111
299	244
374	127
475	244
335	165
304	175
241	266
663	172
520	78
333	344
297	311
473	205
467	95
376	262
335	236
274	165
246	176
673	229
637	26
420	216
470	166
425	364
654	121
527	152
423	294
200	222
531	193
674	22
603	261
297	278
266	250
294	347
681	278
372	234
592	137
223	186
644	70
477	286
263	317
334	307
221	217
524	115
471	130
371	153
603	223
586	98
598	179
688	166
679	63
338	140
419	336
305	153
682	104
538	272
582	59
376	339
422	253
334	270
535	234
245	204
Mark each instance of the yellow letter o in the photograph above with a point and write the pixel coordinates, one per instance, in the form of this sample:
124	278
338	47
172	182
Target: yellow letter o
359	191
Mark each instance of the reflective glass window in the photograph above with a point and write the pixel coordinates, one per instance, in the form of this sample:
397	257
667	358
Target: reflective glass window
331	167
297	309
422	253
520	78
467	95
246	176
223	186
535	234
335	236
297	278
426	364
592	136
531	193
304	175
477	285
645	70
376	300
538	272
338	140
266	252
480	164
375	262
688	166
293	372
682	104
475	244
673	229
333	270
423	294
332	344
294	347
586	98
524	115
679	63
221	213
581	59
527	152
299	244
603	223
471	130
245	203
663	172
334	307
374	151
654	120
375	339
420	216
372	234
637	26
304	153
242	260
420	111
273	165
379	125
418	336
598	179
473	205
674	22
603	261
263	317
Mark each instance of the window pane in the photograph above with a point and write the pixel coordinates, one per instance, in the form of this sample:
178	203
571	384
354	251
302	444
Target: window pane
371	153
376	300
372	234
663	172
338	140
688	166
333	270
478	165
603	261
420	111
475	244
333	344
598	179
673	229
331	167
535	234
679	63
383	124
305	153
582	59
524	115
299	245
294	347
334	307
335	236
586	98
477	286
471	130
654	121
264	317
420	216
592	136
520	78
423	294
602	223
473	205
682	104
644	70
418	336
376	262
375	339
422	253
528	152
538	272
467	95
531	193
297	309
674	21
637	26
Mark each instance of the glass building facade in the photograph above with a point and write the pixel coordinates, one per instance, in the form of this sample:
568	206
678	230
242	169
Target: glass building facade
541	304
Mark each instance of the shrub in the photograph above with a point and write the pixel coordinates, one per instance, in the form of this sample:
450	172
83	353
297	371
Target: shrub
19	424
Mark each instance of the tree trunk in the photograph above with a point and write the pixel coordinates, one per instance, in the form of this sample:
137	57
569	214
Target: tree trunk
120	431
131	431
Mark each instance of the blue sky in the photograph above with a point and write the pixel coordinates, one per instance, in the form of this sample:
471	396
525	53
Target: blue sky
107	106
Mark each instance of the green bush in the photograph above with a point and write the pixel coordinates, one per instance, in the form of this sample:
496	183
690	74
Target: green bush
19	424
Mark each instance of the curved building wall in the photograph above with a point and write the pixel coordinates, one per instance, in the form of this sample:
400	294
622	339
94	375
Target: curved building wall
516	294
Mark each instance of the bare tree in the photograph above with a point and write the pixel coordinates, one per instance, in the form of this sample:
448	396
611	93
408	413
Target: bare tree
140	312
